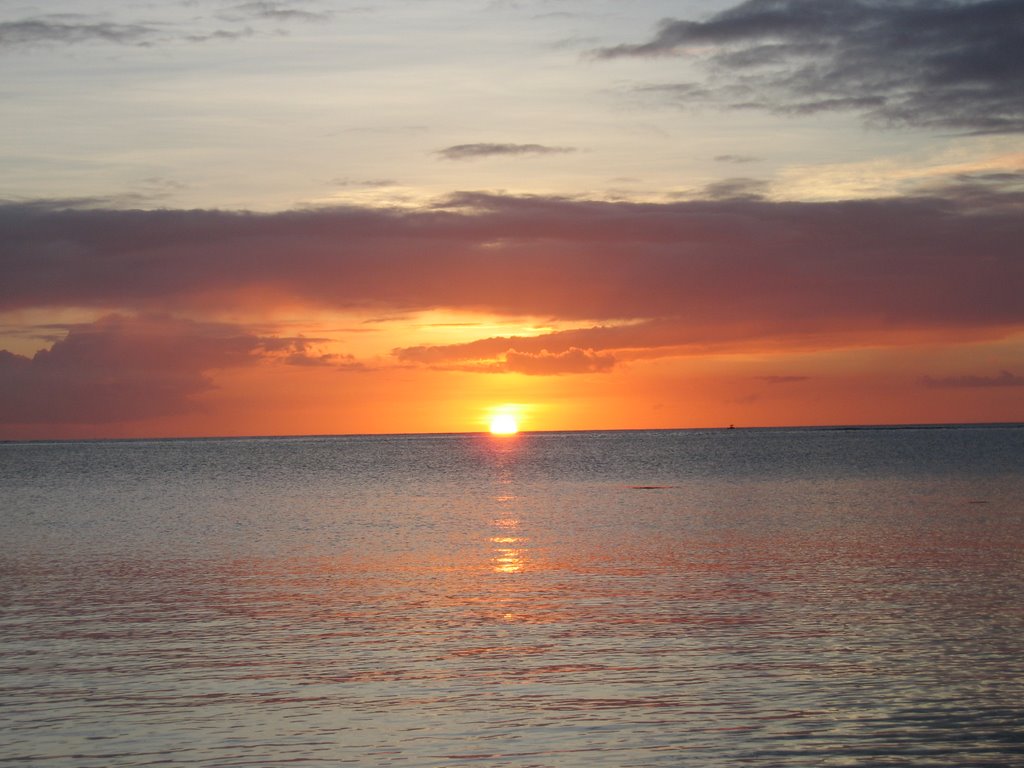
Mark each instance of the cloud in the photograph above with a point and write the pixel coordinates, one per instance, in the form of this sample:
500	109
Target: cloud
736	159
634	276
1004	379
274	11
736	188
220	34
935	63
544	355
135	367
984	192
558	344
475	151
41	30
572	360
68	29
367	183
783	379
118	369
681	93
338	362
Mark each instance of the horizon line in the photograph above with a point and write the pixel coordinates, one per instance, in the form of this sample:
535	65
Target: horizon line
485	433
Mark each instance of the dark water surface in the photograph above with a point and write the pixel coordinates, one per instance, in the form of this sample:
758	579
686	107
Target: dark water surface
800	597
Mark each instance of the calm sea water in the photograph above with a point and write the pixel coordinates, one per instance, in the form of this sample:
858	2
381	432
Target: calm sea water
800	597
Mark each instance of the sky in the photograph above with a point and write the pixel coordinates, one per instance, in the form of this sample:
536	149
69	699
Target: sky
398	216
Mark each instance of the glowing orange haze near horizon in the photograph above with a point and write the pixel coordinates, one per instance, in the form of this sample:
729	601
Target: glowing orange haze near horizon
766	384
852	387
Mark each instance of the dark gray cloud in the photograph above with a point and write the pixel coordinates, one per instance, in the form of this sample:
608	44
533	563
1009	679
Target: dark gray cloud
1004	379
118	369
736	188
474	151
123	368
984	191
945	64
42	30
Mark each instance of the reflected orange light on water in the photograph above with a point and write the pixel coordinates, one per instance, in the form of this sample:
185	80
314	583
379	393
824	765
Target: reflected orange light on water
509	561
509	554
508	544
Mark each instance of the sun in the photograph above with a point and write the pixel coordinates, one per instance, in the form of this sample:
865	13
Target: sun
504	424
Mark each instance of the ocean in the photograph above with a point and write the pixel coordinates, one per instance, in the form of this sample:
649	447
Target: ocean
747	597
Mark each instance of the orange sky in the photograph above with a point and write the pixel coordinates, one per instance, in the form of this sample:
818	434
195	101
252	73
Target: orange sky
180	378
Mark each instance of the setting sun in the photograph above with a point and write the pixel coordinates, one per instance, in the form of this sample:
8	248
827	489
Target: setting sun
504	424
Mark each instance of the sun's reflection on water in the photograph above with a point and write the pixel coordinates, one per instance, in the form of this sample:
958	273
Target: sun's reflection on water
508	544
509	550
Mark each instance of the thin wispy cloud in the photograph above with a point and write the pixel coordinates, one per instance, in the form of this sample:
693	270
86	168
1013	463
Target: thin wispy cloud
572	360
783	379
74	29
1003	379
527	355
483	150
363	183
737	159
274	11
933	63
220	34
37	31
